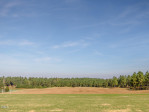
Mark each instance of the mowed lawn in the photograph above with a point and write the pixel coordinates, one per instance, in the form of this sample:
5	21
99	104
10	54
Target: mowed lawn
74	103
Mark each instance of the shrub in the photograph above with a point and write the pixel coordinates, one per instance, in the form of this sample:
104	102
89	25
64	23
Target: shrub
7	89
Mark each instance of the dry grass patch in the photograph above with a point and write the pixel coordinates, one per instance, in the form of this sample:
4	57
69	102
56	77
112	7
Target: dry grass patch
139	110
120	110
39	105
13	110
79	90
105	104
32	111
57	110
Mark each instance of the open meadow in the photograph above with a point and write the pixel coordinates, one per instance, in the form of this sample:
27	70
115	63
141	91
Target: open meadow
135	101
74	56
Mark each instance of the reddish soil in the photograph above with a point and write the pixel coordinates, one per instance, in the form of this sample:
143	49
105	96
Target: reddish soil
79	90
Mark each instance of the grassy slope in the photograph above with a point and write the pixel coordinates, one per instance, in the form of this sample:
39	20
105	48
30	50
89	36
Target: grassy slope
75	103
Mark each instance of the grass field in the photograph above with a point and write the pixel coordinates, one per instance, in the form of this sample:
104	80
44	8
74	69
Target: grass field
74	103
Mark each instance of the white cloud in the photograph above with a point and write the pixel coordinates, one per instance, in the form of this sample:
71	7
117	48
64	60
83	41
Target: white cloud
16	43
131	15
136	10
81	43
43	59
7	42
7	7
8	60
56	46
46	59
26	42
98	53
67	44
70	44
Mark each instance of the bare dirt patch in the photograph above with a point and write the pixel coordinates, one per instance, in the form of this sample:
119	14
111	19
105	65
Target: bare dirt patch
80	90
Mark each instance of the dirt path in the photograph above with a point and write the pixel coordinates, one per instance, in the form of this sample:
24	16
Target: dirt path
79	90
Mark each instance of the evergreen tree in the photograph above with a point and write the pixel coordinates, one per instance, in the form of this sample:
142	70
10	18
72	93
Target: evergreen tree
114	82
134	80
128	81
140	79
122	81
147	79
7	89
105	83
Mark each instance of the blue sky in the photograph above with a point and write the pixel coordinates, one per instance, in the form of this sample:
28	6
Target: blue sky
74	38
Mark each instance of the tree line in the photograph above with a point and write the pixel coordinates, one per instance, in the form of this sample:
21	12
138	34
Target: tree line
135	81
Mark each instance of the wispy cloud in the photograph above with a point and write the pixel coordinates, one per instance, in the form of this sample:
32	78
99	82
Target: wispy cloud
68	44
7	42
93	37
16	43
26	43
133	42
70	1
132	14
135	10
43	59
81	43
8	60
6	8
98	53
46	59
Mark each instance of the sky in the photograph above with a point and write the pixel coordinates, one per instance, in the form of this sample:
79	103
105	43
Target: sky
74	38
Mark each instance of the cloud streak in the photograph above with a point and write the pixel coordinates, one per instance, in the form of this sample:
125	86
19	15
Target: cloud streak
16	43
5	10
98	53
26	43
81	43
43	59
131	15
46	59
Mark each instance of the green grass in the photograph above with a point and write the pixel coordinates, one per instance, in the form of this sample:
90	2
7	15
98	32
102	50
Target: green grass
75	103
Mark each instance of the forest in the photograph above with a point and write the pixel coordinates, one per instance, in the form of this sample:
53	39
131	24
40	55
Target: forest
137	81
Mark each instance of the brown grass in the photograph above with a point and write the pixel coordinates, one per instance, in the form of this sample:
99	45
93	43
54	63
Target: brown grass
105	104
79	90
57	110
120	110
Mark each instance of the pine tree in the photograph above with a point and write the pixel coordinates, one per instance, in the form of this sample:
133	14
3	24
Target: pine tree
140	79
114	82
147	79
134	80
